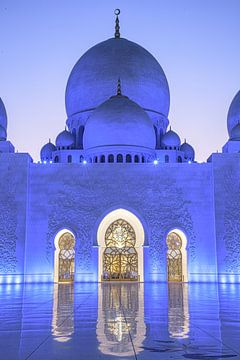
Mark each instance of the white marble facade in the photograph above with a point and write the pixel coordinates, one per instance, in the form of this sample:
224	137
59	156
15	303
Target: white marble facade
118	155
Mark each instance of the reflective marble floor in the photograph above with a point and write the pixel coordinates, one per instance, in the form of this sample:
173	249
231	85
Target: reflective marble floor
125	321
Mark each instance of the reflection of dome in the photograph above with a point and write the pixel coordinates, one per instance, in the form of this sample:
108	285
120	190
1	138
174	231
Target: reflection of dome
3	115
189	153
234	113
65	139
46	151
3	133
94	76
171	139
235	132
119	121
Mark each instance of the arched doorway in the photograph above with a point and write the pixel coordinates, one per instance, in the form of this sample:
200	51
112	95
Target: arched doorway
176	256
120	239
64	257
120	258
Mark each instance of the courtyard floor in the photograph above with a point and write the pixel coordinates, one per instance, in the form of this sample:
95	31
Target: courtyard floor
120	320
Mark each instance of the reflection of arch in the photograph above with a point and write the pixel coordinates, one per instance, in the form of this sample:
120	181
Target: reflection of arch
116	303
177	256
136	225
178	312
63	303
64	256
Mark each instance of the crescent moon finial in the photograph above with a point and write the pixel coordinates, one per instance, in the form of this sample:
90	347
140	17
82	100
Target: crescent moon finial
117	26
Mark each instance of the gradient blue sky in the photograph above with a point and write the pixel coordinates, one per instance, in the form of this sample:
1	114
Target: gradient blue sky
195	41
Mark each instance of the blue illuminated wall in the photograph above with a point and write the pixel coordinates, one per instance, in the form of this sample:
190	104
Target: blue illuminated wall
164	197
227	199
39	200
13	215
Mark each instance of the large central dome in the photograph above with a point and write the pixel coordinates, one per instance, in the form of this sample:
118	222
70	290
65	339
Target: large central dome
93	78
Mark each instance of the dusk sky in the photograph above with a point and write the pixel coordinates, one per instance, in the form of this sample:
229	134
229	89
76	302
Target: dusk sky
195	41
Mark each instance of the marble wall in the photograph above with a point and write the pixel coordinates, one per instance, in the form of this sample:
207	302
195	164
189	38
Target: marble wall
13	215
77	197
39	200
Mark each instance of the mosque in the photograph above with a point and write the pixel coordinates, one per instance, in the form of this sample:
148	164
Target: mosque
119	196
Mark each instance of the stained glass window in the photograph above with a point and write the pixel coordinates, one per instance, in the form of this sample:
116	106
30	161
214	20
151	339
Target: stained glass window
174	257
120	260
66	245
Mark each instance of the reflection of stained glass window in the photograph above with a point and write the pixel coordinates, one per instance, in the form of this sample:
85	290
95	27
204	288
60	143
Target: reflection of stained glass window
174	257
178	313
117	300
66	245
120	257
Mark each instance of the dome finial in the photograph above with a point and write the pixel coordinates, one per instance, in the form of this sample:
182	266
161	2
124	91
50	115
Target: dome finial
119	91
117	26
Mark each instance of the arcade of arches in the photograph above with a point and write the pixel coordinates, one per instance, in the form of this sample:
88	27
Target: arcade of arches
120	255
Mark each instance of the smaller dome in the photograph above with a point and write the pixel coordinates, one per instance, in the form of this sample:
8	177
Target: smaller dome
46	151
171	139
235	132
233	116
3	133
65	139
3	115
188	150
119	121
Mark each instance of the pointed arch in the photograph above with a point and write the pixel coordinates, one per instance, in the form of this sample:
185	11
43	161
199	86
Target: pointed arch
180	251
137	226
70	253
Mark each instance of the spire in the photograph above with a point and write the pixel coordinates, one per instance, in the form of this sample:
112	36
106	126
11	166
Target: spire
117	26
119	91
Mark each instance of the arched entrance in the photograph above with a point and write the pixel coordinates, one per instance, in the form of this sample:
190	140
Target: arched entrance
120	239
176	256
64	257
120	258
